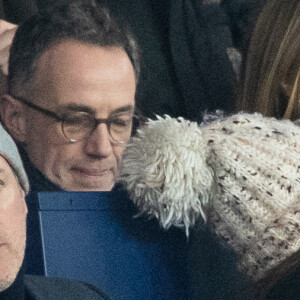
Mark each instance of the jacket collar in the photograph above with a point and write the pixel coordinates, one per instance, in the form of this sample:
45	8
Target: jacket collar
38	181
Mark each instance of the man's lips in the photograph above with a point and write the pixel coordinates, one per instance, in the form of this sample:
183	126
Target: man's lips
90	171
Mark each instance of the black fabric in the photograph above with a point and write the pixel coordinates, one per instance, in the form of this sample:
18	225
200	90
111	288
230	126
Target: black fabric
212	270
213	275
28	287
242	15
2	11
17	11
199	36
38	182
34	256
287	288
46	288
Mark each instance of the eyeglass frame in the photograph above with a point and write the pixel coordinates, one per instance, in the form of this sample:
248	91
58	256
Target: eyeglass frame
61	119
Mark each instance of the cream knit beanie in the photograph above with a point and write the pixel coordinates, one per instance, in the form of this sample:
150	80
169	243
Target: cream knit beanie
240	174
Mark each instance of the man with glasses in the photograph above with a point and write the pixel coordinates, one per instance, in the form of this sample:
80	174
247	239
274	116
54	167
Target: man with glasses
14	285
70	107
71	97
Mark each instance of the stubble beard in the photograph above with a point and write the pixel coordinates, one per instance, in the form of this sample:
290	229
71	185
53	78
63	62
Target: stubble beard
7	279
15	260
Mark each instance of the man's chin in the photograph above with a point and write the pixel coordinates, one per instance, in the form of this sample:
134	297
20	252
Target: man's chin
90	188
8	274
5	284
86	183
10	264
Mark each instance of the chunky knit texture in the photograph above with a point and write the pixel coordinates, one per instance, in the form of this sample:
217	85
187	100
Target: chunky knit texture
240	174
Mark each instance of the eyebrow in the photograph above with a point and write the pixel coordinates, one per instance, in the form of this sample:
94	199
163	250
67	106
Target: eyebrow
83	108
75	108
127	108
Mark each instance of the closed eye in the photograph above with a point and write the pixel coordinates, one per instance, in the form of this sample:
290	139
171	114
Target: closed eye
121	122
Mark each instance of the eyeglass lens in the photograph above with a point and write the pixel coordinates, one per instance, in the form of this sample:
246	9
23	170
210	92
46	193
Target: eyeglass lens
78	126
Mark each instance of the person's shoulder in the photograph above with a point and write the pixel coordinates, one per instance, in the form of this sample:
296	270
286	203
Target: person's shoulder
39	287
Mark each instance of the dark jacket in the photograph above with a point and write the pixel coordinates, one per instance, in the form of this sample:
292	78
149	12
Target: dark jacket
28	287
46	288
37	180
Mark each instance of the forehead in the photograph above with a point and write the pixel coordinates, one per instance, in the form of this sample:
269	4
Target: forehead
73	72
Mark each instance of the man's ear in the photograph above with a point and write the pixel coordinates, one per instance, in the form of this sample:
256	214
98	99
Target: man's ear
13	117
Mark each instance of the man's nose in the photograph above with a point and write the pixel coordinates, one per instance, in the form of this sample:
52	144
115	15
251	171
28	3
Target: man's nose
99	144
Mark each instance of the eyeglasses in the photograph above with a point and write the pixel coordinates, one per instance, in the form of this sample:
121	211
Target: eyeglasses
80	125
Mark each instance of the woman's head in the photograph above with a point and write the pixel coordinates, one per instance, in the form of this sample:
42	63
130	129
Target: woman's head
271	75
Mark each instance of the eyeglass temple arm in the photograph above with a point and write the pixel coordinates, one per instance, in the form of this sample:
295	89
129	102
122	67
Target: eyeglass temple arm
41	109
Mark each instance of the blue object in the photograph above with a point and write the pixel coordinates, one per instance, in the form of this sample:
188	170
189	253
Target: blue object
94	237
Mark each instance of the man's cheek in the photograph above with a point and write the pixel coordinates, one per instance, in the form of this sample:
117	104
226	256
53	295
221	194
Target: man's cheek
13	209
6	201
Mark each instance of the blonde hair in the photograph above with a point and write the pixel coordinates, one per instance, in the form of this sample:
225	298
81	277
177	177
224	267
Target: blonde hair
271	74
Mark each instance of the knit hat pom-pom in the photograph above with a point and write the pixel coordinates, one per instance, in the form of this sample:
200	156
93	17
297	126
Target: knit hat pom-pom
165	171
